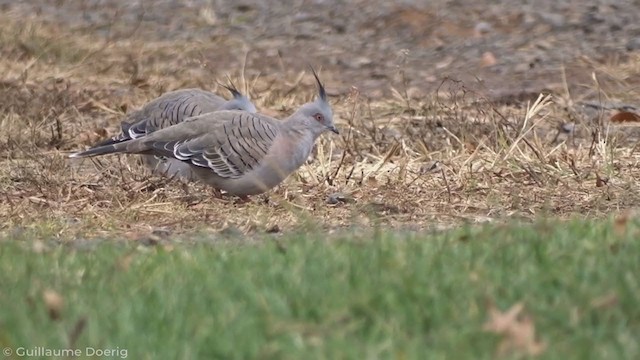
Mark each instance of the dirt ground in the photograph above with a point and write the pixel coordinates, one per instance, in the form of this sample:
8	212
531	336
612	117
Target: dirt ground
435	100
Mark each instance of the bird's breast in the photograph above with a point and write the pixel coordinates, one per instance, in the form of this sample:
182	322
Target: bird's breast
284	157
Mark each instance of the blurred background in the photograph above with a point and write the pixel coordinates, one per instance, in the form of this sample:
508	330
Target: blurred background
508	48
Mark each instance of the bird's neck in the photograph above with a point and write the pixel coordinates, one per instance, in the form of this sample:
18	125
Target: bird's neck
299	129
300	140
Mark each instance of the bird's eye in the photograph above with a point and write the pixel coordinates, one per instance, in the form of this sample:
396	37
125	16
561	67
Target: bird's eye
318	117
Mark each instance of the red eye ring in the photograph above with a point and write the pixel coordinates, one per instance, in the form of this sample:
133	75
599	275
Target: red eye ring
318	117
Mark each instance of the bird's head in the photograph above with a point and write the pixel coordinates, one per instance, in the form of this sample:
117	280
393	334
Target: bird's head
239	101
317	115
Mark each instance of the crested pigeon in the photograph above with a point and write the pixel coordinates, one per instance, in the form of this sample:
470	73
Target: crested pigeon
169	109
236	151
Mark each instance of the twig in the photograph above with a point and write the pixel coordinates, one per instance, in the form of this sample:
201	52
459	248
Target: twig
344	153
446	182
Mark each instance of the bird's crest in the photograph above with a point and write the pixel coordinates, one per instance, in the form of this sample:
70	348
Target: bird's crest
321	91
232	88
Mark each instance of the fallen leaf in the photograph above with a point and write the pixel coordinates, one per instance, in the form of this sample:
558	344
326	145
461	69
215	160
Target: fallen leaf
501	321
605	301
54	303
76	331
273	229
209	16
600	182
517	330
620	224
624	117
488	59
38	247
124	262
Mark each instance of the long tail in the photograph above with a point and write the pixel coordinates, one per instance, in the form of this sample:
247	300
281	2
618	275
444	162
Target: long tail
123	136
100	150
109	141
117	144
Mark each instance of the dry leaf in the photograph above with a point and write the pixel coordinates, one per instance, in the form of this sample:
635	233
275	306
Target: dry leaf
488	59
620	224
517	330
76	331
140	82
124	262
416	93
600	182
38	247
625	117
54	303
605	301
500	322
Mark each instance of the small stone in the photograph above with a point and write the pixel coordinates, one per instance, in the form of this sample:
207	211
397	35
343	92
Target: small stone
482	28
488	59
161	232
430	167
382	208
273	229
338	198
360	62
415	93
231	231
633	44
555	20
156	237
568	128
151	240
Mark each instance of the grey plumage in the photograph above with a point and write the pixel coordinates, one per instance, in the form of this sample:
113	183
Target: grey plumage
170	109
236	151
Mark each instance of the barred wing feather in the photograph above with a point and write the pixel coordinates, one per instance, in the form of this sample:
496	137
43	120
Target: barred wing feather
231	149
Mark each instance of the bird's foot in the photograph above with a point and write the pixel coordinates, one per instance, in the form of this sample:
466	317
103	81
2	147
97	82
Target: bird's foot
216	193
242	199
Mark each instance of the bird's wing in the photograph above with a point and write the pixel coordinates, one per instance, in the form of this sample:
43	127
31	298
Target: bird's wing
170	109
230	143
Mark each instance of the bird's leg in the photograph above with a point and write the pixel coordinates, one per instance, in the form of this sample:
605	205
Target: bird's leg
185	188
242	199
216	193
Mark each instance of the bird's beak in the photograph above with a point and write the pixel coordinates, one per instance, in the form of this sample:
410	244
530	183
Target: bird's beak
334	129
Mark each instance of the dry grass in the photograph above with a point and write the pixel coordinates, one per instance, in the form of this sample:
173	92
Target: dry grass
405	162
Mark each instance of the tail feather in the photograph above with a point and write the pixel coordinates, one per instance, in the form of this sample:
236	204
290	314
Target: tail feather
109	141
132	146
116	144
123	136
99	150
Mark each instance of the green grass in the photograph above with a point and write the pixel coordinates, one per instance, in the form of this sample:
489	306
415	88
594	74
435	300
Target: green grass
402	296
